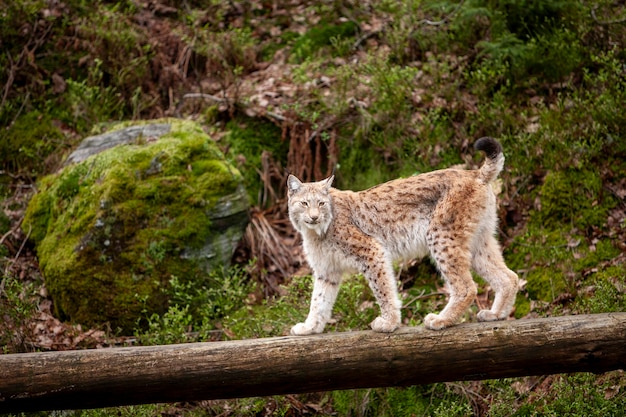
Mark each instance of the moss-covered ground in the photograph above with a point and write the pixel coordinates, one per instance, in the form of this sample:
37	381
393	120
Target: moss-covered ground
380	90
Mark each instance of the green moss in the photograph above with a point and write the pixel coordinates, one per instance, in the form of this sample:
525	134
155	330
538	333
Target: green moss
555	251
287	37
361	166
591	256
40	209
536	264
574	197
320	36
546	283
553	264
118	224
522	306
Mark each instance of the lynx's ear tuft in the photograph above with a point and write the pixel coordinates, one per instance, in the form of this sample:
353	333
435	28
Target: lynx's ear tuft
328	182
293	184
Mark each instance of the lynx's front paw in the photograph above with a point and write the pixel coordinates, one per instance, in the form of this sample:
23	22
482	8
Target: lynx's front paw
435	322
382	325
301	329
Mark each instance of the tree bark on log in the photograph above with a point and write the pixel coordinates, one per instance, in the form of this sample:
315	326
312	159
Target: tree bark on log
330	361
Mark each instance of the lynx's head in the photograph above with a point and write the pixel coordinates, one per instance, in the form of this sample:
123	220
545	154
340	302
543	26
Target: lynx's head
310	204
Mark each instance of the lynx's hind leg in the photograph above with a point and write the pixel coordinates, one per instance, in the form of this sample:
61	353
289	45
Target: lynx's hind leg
462	294
325	290
489	264
449	245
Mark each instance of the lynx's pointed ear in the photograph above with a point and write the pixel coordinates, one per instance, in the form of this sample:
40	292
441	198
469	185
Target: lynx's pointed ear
293	184
328	182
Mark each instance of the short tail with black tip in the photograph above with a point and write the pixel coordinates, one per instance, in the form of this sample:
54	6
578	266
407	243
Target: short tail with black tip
495	158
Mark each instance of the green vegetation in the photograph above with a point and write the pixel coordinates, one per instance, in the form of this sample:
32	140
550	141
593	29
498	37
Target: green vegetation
32	138
254	143
16	307
379	89
324	35
195	307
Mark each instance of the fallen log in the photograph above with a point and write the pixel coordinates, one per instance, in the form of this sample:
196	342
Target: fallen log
330	361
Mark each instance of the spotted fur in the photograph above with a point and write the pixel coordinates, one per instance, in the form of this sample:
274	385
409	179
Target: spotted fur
448	214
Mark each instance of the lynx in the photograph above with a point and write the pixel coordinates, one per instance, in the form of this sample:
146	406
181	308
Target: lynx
449	214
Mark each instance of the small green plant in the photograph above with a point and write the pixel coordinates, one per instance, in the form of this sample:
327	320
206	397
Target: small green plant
229	54
273	317
174	326
148	410
536	58
577	395
435	399
122	48
33	137
196	307
227	292
90	101
604	292
323	35
17	308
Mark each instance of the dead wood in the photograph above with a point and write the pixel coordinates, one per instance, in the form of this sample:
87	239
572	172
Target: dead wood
331	361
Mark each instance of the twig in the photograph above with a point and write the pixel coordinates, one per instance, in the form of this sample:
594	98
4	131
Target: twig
5	236
207	96
605	23
276	116
429	22
17	255
471	395
445	19
617	194
422	296
21	247
229	103
11	231
365	37
10	78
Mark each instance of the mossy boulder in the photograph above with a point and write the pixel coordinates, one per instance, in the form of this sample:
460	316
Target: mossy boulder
115	225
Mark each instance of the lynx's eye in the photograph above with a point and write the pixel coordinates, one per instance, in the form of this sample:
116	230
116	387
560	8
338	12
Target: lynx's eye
304	204
322	203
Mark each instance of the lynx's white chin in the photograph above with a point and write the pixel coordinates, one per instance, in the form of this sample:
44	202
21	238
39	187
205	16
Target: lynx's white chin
317	227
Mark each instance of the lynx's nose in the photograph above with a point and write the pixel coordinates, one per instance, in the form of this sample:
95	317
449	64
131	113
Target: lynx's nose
314	214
